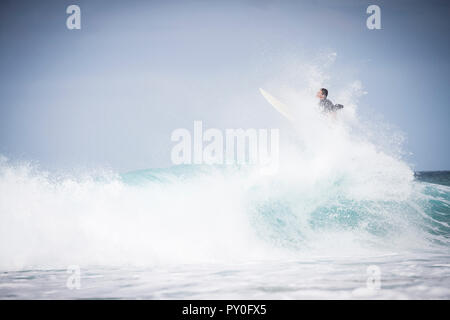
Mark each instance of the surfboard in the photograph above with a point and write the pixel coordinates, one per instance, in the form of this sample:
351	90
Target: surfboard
278	105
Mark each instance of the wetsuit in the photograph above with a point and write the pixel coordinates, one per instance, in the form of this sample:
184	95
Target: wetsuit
328	106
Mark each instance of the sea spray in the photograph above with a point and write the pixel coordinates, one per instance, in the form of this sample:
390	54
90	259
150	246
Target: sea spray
335	193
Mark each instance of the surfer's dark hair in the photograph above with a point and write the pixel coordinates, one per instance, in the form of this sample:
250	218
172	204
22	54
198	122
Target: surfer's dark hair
324	92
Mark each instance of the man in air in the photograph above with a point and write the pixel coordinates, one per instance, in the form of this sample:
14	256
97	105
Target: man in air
326	105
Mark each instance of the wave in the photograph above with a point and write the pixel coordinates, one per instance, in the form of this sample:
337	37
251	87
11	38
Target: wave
187	214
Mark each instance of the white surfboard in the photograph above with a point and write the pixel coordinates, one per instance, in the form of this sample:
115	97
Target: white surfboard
279	106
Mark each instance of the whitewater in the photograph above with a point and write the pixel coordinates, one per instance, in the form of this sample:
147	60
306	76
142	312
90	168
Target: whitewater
341	205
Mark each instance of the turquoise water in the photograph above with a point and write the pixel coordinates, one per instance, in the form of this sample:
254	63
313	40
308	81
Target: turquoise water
199	232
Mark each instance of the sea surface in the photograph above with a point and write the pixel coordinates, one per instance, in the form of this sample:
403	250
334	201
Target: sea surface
202	233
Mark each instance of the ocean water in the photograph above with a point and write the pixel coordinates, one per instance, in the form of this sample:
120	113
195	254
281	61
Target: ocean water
343	217
145	235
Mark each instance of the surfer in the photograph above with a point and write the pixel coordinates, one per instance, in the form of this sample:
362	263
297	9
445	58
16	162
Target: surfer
325	103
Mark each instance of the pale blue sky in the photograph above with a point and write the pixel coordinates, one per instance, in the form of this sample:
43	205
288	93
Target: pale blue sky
111	93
